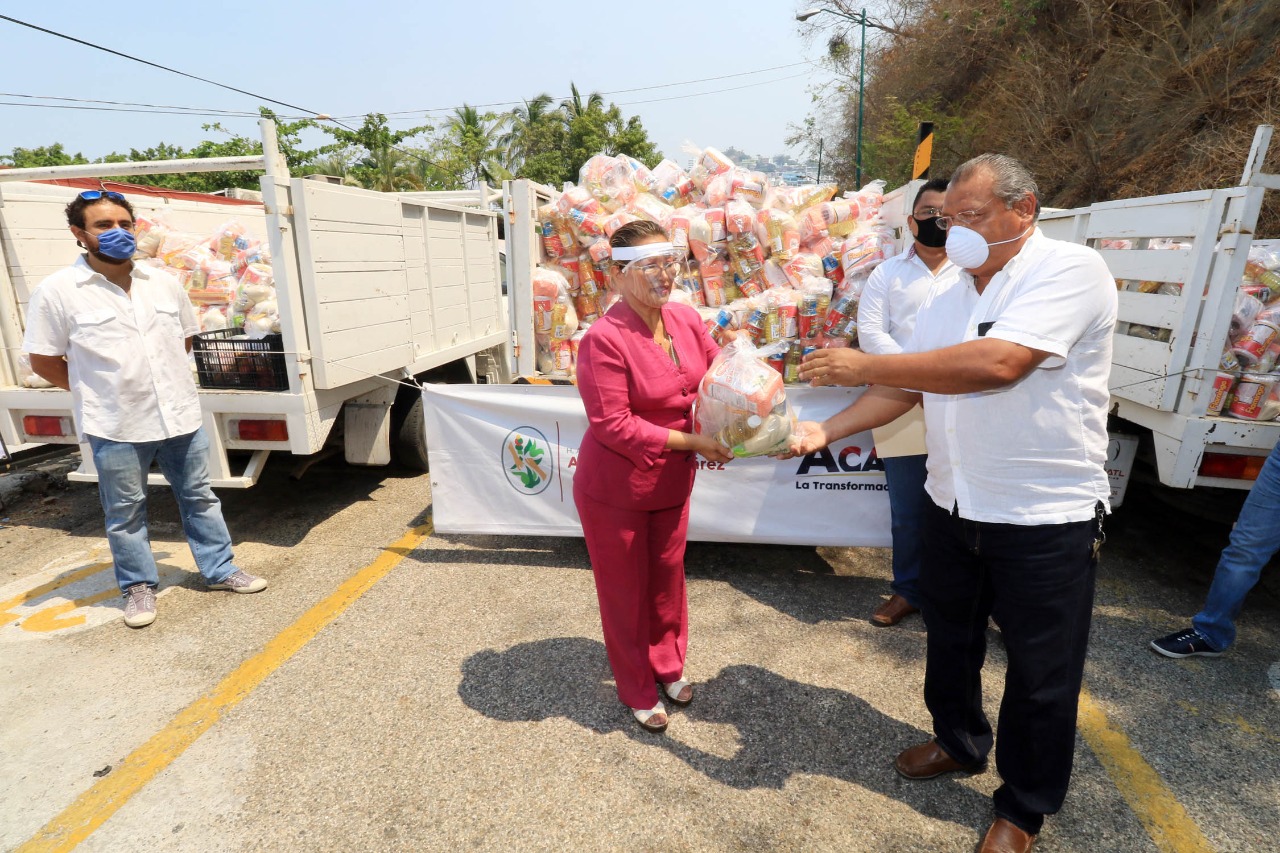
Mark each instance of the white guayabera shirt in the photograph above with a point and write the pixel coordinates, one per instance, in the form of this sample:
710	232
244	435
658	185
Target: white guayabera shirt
891	298
126	357
1031	452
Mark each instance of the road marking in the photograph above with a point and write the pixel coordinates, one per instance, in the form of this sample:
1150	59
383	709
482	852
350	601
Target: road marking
1231	720
27	596
95	806
70	594
1164	818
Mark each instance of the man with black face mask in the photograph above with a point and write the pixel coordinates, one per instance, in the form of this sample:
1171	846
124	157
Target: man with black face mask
886	317
124	331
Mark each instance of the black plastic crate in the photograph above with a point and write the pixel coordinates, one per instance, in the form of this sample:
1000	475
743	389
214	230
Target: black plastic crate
228	358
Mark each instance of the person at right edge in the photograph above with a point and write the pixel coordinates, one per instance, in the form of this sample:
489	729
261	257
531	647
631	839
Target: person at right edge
886	317
1255	539
1011	362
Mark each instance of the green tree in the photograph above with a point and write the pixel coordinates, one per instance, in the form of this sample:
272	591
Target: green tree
383	162
288	138
888	151
521	125
477	142
591	128
574	106
535	141
48	155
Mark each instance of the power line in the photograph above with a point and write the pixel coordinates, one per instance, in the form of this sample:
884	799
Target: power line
712	92
130	57
154	64
216	111
195	110
611	92
311	113
129	110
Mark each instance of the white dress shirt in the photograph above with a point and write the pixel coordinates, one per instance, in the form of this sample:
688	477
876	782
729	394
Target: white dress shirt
892	296
1031	452
126	352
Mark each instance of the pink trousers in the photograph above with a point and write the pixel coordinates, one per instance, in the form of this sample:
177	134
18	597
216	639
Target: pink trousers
637	557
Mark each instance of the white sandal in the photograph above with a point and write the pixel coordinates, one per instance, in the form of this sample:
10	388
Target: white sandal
646	718
675	688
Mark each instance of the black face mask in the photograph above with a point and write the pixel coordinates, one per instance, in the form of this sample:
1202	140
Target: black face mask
929	234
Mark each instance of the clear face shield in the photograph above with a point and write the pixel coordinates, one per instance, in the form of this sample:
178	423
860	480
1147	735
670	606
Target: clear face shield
656	266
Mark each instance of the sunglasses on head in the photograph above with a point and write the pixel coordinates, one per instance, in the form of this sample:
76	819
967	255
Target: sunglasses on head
94	195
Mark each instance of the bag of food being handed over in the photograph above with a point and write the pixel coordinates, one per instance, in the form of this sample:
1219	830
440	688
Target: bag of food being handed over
742	403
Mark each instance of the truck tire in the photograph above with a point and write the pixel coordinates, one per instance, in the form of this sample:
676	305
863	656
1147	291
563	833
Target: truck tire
409	437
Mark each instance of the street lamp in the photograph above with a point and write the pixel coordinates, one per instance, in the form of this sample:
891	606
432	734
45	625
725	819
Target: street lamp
861	20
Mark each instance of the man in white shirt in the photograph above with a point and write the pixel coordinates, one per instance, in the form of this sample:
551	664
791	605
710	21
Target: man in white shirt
1012	363
124	331
886	317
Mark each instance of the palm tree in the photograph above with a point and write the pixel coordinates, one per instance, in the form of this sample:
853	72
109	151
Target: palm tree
521	123
573	106
477	138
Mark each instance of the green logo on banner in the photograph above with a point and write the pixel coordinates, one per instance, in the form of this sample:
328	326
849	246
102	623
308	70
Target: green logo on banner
526	459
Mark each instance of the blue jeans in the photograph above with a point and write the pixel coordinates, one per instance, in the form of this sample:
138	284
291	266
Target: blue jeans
1254	540
122	488
908	505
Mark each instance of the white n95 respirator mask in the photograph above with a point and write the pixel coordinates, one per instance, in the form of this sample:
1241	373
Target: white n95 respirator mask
966	248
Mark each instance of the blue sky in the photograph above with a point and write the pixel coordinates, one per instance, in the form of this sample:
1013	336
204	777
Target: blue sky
346	59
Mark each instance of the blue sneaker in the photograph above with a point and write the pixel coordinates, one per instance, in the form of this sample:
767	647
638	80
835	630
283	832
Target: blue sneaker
1184	644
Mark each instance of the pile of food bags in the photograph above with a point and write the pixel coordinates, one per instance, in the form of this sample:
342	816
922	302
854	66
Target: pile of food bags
783	264
227	274
1247	384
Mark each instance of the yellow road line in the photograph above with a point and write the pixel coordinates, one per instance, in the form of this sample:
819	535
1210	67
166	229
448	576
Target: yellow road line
96	805
55	618
1164	818
56	583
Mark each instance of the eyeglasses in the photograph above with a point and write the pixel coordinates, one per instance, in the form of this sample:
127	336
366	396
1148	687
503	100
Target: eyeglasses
655	272
94	195
928	213
964	218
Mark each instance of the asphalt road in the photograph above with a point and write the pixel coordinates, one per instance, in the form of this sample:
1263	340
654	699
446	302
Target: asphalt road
397	690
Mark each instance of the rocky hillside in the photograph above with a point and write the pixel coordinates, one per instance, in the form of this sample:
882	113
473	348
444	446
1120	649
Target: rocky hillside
1101	98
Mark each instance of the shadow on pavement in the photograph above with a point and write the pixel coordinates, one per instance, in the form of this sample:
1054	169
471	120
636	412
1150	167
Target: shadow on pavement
784	727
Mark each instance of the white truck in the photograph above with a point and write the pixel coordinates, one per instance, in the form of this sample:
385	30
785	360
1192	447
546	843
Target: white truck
375	290
1162	379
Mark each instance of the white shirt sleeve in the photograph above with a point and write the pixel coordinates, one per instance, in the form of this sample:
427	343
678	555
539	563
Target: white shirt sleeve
873	316
1057	305
47	330
186	313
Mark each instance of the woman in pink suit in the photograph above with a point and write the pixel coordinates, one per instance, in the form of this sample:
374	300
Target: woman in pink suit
638	372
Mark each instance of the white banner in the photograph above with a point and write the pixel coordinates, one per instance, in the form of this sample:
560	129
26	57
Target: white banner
475	433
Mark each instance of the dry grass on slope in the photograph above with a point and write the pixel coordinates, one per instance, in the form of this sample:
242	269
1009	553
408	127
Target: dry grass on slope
1101	99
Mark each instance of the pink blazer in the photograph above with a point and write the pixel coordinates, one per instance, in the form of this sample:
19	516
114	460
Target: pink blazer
634	394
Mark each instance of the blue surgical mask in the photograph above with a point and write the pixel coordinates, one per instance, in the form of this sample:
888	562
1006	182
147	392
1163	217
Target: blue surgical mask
117	244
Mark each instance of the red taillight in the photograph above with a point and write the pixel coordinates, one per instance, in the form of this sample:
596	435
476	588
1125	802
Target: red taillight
47	425
260	430
1231	466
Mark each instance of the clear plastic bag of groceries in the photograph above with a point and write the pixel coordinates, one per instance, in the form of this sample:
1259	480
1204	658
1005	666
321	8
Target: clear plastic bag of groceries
742	402
609	180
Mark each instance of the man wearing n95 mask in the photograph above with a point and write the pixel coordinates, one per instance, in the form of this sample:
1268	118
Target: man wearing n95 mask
116	335
1011	362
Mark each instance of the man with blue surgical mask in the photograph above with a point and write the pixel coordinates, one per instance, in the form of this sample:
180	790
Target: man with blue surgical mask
116	335
1011	362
